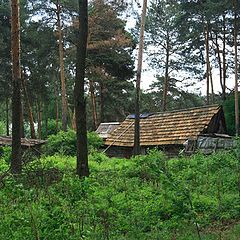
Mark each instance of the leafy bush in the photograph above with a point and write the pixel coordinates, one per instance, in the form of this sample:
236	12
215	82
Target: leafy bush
2	128
52	128
65	143
229	112
5	153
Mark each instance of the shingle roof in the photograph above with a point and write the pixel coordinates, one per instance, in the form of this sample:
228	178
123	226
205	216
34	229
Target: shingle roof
6	140
104	129
165	128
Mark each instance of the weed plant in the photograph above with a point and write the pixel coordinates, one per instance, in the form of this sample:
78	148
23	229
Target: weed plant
145	197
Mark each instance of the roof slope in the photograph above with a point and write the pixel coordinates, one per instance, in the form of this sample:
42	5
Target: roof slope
6	140
104	129
165	128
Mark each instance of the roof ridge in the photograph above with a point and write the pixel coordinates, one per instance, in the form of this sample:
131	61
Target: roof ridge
189	109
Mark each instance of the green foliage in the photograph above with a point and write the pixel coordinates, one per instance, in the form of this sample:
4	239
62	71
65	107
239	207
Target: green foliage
146	197
2	128
5	153
229	111
51	128
65	143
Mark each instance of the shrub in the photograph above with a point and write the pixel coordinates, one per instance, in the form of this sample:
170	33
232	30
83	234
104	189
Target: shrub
65	143
2	128
5	153
52	128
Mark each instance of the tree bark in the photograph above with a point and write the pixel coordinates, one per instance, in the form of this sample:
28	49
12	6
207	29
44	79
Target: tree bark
166	77
56	103
7	116
22	121
137	148
236	67
207	61
62	74
30	113
224	59
219	61
93	101
16	161
39	113
46	120
102	116
212	86
79	98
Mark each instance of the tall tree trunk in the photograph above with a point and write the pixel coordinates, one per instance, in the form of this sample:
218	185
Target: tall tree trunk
224	59
212	87
102	116
7	116
74	127
46	120
39	114
62	74
79	98
207	60
56	103
16	161
166	76
137	148
29	108
93	101
236	67
219	61
22	122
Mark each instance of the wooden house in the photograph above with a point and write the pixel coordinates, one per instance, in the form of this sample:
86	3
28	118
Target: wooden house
26	143
169	131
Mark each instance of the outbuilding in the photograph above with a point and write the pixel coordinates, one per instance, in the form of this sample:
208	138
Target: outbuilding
172	132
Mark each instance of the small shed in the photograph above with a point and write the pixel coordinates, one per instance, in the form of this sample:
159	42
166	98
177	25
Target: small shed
170	131
104	130
26	143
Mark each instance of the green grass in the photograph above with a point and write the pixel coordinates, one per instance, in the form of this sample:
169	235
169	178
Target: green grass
146	197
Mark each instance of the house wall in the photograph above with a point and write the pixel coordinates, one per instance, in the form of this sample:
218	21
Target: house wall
127	152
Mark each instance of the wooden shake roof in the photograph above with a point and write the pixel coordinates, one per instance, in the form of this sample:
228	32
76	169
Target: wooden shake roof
166	128
7	141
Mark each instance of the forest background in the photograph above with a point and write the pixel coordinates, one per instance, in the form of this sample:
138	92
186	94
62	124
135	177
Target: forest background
185	43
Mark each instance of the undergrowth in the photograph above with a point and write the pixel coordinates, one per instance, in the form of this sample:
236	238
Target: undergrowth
146	197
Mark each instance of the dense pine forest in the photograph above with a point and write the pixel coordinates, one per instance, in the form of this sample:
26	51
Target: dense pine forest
66	66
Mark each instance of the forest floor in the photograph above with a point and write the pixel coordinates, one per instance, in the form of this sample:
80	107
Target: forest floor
146	197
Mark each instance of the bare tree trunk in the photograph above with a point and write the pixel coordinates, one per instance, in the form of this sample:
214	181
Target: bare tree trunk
16	161
56	103
79	98
94	107
212	87
137	148
22	122
46	120
39	113
74	127
102	116
7	116
207	60
236	67
224	58
30	113
62	74
166	77
219	61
